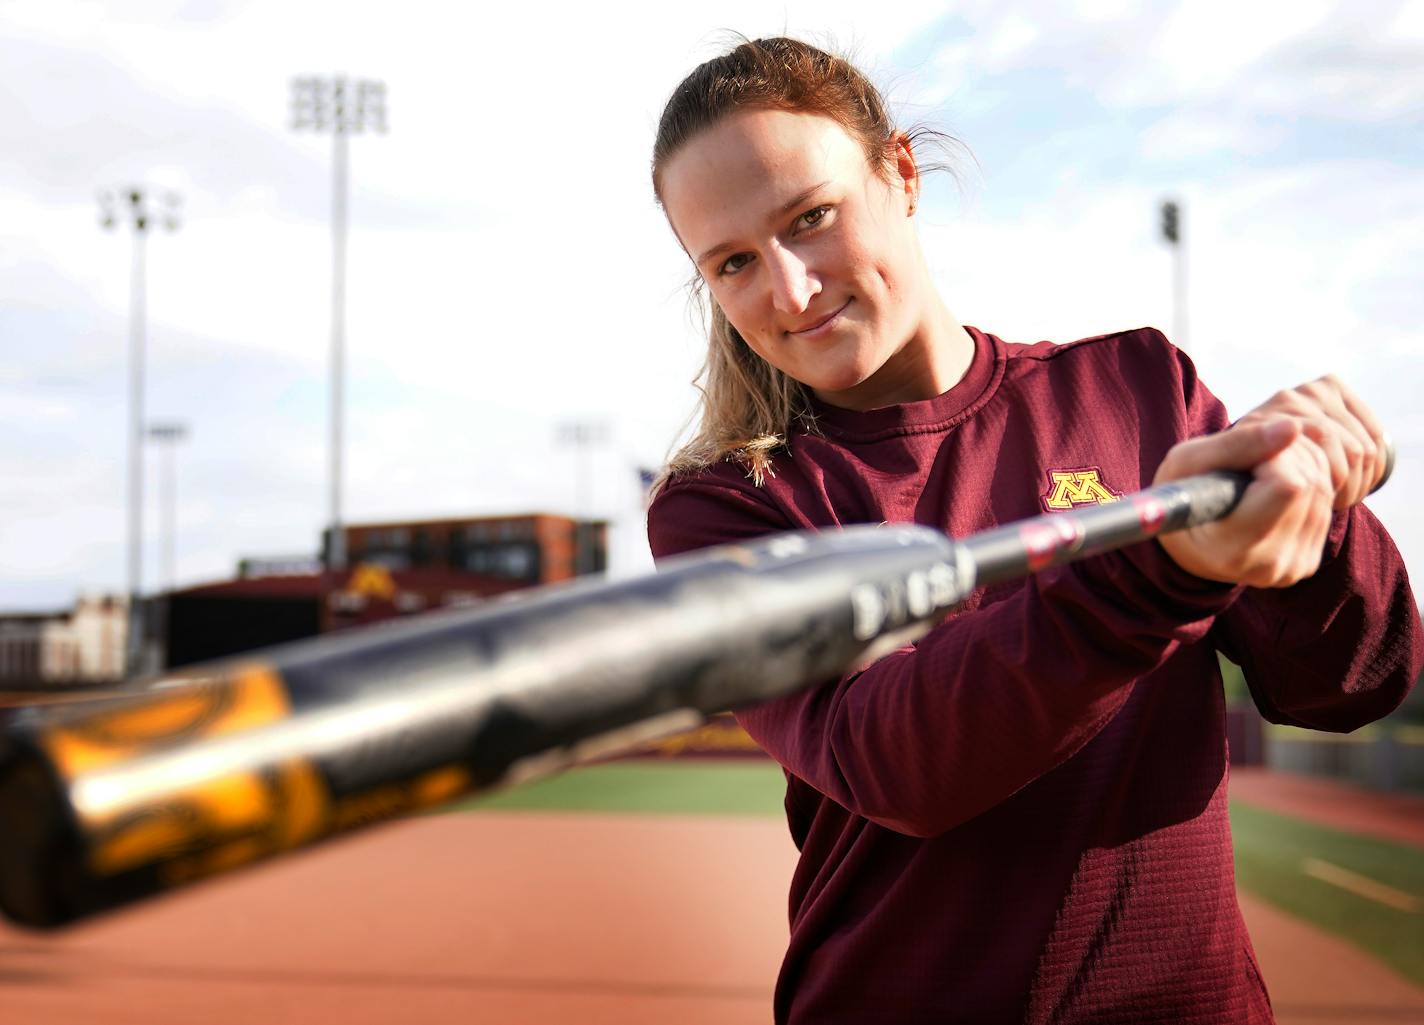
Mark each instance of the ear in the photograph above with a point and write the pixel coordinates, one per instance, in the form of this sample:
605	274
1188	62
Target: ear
906	175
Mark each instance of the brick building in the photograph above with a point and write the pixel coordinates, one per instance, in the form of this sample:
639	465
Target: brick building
393	569
82	645
532	549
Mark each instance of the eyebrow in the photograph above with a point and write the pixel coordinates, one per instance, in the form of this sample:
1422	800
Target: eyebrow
783	210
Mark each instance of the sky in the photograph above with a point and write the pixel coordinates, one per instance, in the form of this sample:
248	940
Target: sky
509	273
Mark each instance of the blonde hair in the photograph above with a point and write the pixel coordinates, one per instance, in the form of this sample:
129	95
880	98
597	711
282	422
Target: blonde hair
748	407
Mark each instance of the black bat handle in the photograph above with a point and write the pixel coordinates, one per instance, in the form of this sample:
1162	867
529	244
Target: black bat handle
1009	552
1028	546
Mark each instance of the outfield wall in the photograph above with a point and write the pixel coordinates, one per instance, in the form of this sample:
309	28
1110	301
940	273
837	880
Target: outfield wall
719	737
1382	756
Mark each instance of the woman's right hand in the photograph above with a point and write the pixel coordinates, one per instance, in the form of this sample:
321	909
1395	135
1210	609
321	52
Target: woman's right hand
1276	535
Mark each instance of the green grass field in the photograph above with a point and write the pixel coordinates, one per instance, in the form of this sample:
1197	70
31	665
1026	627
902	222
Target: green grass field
1271	850
750	787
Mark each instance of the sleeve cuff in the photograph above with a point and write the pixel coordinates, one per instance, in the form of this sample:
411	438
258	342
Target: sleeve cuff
1335	538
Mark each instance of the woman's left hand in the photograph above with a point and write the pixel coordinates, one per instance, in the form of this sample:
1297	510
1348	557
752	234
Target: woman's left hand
1310	449
1334	417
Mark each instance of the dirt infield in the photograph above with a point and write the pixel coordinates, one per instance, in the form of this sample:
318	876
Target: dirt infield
518	918
461	918
1316	979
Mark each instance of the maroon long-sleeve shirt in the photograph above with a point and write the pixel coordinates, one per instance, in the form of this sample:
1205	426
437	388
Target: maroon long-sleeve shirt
1022	818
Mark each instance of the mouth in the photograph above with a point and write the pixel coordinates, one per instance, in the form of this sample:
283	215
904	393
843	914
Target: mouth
822	324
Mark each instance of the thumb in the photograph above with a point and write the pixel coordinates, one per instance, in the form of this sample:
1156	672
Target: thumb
1237	448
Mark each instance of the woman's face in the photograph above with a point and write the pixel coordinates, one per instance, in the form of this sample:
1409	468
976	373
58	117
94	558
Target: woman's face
809	251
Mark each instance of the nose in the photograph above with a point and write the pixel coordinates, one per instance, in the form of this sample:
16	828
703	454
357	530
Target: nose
792	284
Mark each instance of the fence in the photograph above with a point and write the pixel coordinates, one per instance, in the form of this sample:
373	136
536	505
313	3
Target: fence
1382	757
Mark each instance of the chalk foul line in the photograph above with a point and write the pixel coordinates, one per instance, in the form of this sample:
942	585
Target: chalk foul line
1361	886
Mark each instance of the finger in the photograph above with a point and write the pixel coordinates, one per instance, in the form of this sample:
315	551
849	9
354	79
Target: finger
1355	457
1316	507
1342	452
1238	448
1383	450
1286	510
1318	510
1361	449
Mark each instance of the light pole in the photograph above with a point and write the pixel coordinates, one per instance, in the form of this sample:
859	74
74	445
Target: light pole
1173	223
582	435
141	209
340	106
168	435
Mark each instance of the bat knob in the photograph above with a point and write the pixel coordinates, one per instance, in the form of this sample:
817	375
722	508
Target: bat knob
1389	453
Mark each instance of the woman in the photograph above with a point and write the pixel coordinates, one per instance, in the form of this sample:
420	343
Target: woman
1023	816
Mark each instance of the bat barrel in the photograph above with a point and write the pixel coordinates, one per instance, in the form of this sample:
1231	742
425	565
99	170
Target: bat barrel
218	766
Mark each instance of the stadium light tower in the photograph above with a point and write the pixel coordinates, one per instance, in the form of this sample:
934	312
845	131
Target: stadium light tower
168	434
582	435
142	209
1173	234
340	106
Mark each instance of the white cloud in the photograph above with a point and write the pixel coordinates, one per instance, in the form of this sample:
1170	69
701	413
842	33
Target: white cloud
1103	10
1191	134
1204	45
1408	23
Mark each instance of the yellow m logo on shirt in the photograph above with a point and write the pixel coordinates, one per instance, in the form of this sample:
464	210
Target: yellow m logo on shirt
1067	488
